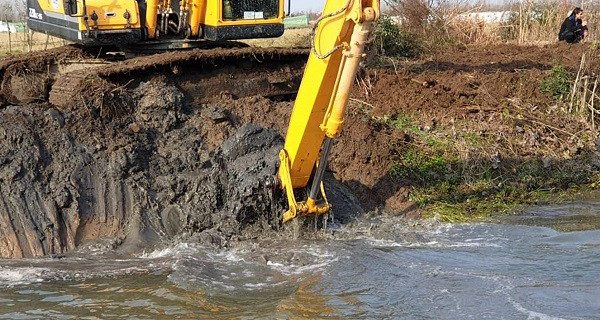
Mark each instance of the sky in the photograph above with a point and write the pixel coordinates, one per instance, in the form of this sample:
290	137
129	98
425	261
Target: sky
307	5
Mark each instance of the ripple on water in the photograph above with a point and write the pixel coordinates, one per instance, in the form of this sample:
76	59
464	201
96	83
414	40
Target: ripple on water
385	268
22	275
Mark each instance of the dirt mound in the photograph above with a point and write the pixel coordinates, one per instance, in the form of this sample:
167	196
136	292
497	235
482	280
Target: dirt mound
240	72
150	174
135	187
468	83
203	75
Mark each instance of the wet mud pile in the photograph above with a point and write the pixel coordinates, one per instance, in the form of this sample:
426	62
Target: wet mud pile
131	182
161	156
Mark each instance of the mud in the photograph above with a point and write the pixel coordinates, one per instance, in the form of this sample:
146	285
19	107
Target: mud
155	172
184	145
27	78
202	73
132	187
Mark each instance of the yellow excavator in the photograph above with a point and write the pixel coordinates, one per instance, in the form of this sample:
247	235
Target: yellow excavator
123	22
337	47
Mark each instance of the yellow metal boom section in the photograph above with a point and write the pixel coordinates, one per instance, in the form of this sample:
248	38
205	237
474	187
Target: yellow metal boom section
338	46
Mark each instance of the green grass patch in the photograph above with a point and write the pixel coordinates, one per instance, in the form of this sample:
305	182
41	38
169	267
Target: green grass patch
557	83
458	177
420	167
391	41
470	210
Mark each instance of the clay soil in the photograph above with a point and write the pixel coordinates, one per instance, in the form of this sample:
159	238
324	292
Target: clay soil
160	125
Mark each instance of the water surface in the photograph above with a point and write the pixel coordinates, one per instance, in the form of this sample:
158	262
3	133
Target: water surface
541	265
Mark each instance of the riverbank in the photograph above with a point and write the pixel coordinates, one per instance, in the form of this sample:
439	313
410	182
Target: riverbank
182	150
483	130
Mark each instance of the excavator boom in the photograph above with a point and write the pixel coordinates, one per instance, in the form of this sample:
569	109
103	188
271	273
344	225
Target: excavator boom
338	42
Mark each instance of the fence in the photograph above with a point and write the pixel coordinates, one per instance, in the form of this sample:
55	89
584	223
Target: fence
6	26
17	38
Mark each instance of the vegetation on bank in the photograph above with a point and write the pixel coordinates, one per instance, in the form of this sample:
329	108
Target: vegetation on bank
464	176
422	26
530	154
390	40
460	175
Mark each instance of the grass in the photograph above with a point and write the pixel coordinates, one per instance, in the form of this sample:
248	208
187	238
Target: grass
558	83
292	38
454	187
18	43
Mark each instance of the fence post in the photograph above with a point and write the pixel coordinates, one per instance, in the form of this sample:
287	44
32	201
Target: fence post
28	37
9	37
521	25
47	40
24	39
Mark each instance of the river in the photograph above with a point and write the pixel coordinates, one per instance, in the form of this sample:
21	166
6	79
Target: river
543	264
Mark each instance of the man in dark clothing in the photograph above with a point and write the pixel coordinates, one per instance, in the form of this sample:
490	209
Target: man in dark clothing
573	29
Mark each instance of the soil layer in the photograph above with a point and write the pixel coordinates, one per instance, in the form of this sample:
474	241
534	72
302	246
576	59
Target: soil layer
184	145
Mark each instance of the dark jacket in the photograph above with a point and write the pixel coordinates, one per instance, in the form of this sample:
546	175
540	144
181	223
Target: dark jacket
571	30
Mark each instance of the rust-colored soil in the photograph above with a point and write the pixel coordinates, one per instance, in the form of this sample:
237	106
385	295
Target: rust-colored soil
491	93
26	78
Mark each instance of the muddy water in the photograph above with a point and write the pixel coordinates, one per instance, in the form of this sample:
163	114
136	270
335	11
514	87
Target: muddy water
519	268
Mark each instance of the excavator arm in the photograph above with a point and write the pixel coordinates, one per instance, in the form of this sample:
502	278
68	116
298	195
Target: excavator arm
338	43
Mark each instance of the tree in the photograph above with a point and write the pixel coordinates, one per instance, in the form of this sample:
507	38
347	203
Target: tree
13	10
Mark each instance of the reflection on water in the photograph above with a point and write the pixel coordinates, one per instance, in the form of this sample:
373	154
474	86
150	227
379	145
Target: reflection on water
380	268
583	215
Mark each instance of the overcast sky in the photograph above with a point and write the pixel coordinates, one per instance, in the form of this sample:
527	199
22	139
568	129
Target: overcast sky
307	5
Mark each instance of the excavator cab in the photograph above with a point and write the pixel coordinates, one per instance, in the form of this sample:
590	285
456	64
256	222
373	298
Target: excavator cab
245	19
128	22
256	9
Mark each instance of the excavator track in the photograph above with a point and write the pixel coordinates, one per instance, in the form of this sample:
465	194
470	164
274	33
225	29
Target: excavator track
25	78
67	76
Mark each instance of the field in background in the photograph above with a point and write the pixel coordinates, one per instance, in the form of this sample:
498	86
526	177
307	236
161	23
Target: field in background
433	24
292	38
21	42
462	22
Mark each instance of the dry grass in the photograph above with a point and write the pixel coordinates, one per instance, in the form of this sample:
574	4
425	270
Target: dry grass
292	38
22	42
539	21
531	21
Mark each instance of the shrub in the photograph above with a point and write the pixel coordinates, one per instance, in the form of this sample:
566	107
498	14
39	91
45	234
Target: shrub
557	83
390	40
